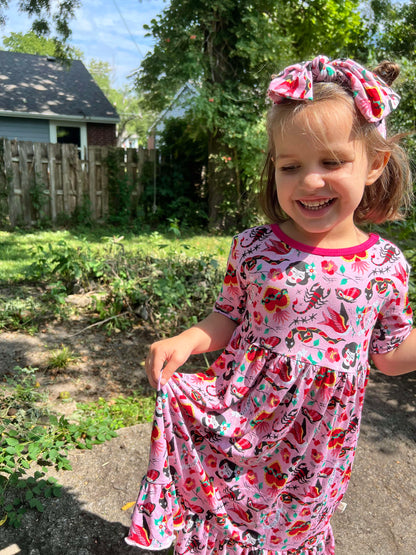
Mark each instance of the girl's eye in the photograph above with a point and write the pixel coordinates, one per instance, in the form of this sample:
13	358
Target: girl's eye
288	168
333	163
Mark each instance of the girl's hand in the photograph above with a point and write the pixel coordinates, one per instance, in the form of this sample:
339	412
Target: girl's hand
169	355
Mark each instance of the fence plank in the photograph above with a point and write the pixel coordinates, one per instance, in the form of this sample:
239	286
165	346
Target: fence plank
62	179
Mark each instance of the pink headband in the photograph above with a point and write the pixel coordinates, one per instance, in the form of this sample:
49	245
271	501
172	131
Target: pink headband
373	98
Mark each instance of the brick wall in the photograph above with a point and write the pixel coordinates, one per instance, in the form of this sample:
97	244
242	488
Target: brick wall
101	134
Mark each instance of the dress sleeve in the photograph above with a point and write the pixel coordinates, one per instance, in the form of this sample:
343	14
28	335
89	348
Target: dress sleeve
231	301
395	318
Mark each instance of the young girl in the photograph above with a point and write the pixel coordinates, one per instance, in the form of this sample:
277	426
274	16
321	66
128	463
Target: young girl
254	455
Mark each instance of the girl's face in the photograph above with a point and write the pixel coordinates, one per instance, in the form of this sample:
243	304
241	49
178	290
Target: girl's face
321	172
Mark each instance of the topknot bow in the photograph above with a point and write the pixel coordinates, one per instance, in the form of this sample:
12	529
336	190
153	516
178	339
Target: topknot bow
372	96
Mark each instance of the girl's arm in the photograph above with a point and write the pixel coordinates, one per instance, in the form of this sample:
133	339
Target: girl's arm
169	354
399	361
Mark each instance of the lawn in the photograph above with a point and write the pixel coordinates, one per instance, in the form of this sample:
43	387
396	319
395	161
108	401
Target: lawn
18	248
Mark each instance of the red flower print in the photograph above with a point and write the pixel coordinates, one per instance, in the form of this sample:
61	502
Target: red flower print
274	476
258	318
332	354
275	274
299	527
190	484
317	456
286	455
211	461
251	476
276	540
305	511
329	267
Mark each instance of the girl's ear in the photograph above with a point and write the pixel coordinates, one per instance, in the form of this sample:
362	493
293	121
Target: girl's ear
377	166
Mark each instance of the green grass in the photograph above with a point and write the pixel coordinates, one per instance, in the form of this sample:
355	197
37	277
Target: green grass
17	247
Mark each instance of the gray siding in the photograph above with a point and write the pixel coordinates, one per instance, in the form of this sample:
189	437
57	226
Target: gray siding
36	130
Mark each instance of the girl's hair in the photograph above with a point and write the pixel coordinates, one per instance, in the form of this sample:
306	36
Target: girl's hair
384	200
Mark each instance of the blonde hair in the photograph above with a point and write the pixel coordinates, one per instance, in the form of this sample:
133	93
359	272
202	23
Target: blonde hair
388	198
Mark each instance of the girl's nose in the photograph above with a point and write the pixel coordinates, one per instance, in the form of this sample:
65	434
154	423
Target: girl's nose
314	179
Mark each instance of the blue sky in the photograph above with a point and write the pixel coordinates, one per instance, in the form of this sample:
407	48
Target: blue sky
107	30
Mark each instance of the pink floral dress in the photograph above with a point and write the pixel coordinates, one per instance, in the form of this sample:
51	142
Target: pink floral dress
254	455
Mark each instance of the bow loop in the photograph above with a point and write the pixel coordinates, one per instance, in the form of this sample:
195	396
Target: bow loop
373	98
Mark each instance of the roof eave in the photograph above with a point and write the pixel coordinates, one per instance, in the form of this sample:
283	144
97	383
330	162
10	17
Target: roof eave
60	117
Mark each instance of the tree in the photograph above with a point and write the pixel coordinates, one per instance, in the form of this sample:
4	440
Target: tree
43	12
230	48
134	118
31	43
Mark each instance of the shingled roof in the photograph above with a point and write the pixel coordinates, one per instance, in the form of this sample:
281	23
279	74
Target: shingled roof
40	86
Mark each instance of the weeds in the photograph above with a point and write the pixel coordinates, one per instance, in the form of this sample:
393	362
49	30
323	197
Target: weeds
61	358
30	433
172	293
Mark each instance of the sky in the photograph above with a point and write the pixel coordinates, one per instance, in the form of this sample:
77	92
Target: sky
107	30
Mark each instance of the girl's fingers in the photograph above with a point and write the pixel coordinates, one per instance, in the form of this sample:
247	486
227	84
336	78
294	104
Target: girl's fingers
164	363
153	368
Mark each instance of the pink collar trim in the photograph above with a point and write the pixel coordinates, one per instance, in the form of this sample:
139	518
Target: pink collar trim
372	240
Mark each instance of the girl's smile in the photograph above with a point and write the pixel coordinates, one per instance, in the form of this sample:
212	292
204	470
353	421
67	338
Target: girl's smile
321	172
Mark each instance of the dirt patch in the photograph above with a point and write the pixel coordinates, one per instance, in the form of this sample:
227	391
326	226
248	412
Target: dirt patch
88	519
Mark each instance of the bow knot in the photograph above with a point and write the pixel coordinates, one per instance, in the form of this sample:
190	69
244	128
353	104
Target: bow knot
373	98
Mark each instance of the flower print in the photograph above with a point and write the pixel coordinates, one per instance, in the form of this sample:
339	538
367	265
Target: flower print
222	430
211	461
275	274
276	539
329	267
190	484
286	455
332	354
305	511
258	318
220	362
310	269
251	476
317	456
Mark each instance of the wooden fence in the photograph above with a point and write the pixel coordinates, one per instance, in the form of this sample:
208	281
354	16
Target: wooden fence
40	181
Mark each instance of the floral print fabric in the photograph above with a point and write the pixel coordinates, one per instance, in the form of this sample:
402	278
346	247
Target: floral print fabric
254	455
372	97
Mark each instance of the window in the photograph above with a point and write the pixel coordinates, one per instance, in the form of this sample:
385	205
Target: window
69	133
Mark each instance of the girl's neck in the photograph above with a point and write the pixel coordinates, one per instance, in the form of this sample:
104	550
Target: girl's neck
352	238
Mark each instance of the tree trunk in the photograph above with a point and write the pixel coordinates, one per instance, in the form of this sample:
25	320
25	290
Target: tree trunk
221	179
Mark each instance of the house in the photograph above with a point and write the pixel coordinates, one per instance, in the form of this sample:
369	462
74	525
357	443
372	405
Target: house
178	107
44	100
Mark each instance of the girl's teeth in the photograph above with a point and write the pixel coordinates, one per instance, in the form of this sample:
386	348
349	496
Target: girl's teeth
315	205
